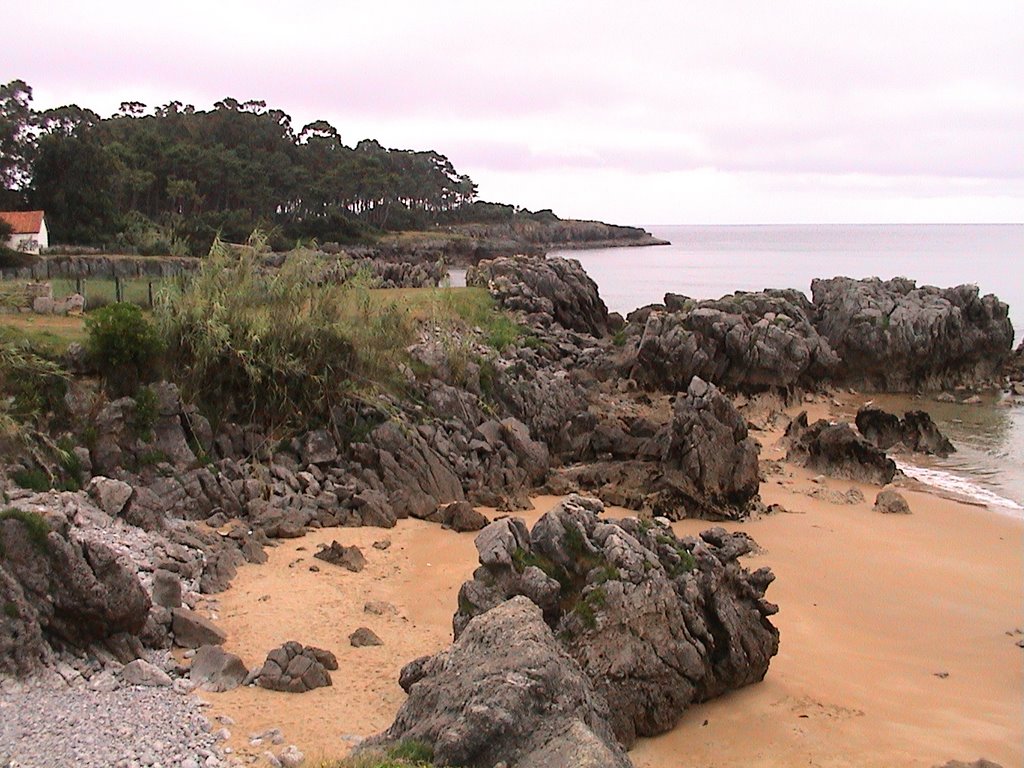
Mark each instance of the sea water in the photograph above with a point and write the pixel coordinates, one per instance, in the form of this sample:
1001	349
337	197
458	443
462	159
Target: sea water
706	262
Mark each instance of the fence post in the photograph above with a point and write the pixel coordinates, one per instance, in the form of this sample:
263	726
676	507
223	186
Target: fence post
117	289
78	285
150	294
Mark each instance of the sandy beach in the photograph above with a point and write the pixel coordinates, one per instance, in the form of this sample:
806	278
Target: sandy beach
898	635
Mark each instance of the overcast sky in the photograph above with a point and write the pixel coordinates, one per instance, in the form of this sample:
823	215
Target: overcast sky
634	112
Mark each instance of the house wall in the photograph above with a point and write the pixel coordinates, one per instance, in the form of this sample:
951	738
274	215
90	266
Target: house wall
30	243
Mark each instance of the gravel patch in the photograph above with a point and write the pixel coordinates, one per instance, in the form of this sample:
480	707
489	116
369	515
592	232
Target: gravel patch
127	728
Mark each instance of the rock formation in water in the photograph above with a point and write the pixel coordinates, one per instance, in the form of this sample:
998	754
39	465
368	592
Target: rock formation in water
746	342
655	622
836	450
895	336
915	431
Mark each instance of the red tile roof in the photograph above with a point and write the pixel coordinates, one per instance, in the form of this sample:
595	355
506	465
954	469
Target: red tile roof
23	222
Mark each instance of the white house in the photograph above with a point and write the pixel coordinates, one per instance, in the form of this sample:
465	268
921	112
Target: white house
28	230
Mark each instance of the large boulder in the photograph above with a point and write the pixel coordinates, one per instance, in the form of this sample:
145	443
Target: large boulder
60	589
702	463
656	622
915	431
895	336
295	668
547	290
746	342
505	692
837	450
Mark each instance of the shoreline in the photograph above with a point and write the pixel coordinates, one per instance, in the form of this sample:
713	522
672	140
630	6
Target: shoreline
873	608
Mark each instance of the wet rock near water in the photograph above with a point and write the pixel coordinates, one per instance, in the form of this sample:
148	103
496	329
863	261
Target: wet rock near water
837	451
745	342
656	622
505	692
895	336
915	431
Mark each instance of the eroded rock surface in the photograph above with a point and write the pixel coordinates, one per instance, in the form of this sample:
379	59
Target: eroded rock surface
506	692
655	622
745	342
547	290
836	450
295	668
915	431
895	336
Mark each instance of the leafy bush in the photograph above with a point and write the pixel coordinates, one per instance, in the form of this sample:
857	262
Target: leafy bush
31	385
32	480
124	344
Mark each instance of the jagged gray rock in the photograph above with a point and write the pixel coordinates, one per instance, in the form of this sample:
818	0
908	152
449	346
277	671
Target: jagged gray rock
295	668
546	289
505	692
893	335
58	587
746	342
836	450
194	631
350	558
216	670
915	431
656	622
141	672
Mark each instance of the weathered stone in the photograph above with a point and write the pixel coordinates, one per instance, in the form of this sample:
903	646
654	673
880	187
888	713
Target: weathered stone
318	447
656	622
915	431
194	631
141	672
892	503
505	692
166	589
293	668
893	335
836	450
350	558
111	495
216	670
363	637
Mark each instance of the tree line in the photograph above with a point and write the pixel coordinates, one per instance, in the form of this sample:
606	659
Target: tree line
168	179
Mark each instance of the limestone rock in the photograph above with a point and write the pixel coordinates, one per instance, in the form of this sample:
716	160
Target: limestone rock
111	495
141	672
836	450
892	503
350	558
364	636
166	589
294	668
746	342
893	335
547	289
655	622
505	692
194	631
216	670
915	431
460	516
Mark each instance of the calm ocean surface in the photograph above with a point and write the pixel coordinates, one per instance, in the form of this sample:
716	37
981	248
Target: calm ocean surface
711	261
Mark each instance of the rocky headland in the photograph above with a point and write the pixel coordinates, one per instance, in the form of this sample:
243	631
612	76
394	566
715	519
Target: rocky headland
614	624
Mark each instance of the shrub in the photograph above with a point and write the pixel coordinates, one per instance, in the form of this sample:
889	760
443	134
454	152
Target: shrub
263	345
32	480
31	384
123	343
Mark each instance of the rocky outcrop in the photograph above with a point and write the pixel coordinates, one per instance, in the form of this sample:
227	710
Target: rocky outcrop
836	450
505	693
746	342
295	668
655	622
546	290
895	336
914	432
349	558
60	590
702	463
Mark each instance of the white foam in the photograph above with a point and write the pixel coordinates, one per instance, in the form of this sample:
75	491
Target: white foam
959	485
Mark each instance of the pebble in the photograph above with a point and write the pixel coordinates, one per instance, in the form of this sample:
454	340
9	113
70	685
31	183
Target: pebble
44	727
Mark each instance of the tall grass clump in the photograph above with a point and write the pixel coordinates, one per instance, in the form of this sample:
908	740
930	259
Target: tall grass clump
259	344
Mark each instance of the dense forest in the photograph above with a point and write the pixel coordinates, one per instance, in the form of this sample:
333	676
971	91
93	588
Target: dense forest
168	179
